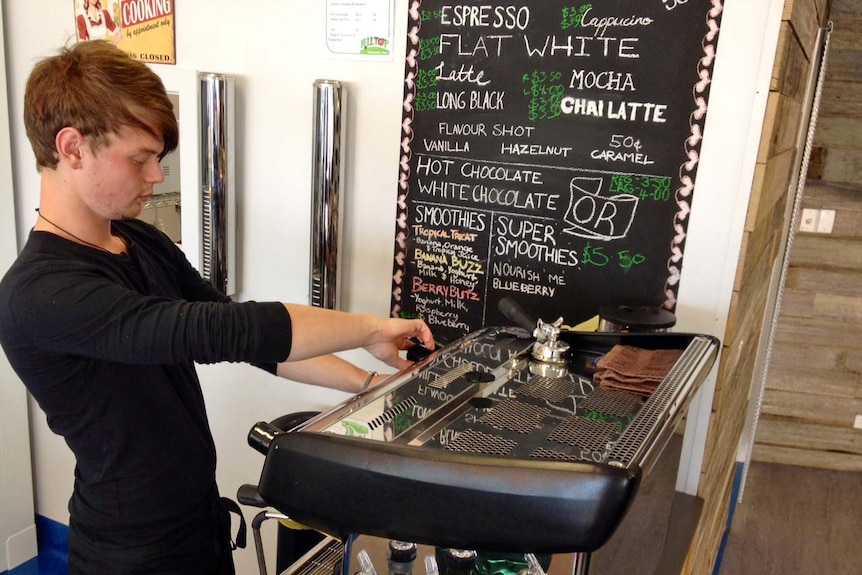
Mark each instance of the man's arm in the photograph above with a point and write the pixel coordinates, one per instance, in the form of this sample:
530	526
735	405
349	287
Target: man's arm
328	371
318	331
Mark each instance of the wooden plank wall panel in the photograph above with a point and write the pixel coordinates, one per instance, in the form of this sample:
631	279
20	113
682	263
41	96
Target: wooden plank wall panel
808	281
845	65
813	381
853	364
822	251
844	166
783	116
814	385
811	436
803	15
808	419
843	97
765	229
806	458
839	131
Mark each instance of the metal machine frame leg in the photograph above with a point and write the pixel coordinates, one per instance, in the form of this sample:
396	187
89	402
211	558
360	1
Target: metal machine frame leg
581	564
258	541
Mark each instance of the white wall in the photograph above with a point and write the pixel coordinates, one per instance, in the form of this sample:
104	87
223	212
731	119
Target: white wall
17	527
274	47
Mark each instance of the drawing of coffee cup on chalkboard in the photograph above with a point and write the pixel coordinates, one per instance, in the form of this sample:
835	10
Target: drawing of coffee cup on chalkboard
596	217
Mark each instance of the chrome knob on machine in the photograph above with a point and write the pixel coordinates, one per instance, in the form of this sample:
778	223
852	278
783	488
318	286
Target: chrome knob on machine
548	347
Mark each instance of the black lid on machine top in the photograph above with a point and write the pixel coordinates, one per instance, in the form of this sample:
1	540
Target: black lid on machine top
633	316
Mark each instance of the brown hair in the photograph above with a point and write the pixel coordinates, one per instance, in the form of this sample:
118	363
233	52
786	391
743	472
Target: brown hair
96	88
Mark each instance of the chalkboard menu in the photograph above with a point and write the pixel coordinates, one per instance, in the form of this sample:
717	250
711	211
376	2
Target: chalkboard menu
549	152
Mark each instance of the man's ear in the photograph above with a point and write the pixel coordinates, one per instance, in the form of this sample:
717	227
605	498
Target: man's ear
69	142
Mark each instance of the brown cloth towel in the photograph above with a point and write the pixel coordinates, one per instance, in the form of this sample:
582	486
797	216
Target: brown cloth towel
634	369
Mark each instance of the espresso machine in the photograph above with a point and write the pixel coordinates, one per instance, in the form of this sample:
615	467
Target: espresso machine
503	441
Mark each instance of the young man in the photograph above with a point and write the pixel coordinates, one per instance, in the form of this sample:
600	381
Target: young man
103	318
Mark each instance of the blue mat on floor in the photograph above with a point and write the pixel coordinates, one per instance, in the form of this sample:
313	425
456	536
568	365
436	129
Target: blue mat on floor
53	558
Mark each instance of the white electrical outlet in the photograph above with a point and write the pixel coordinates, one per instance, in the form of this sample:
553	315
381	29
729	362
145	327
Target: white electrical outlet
817	221
825	221
808	223
858	423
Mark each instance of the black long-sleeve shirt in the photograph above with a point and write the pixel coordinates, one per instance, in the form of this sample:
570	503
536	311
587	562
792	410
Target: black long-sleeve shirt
106	344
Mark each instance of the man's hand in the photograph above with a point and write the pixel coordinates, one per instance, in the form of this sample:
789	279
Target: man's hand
395	335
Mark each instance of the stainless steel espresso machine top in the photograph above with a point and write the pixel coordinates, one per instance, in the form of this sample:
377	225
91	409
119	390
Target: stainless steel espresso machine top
500	441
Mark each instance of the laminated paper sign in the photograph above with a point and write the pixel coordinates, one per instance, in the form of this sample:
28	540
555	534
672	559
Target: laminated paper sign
143	28
359	29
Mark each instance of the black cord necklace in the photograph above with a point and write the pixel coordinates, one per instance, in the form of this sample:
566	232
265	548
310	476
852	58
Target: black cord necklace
67	232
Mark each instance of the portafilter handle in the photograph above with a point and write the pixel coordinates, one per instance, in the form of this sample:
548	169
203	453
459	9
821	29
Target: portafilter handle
513	311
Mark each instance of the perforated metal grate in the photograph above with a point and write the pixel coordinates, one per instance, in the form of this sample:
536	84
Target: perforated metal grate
444	380
549	389
472	441
326	560
515	416
655	409
542	453
585	433
618	403
392	413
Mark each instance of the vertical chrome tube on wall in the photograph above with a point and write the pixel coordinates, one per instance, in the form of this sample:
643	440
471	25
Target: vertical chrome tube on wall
326	168
218	247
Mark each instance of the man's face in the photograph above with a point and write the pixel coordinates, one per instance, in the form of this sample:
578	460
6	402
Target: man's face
120	177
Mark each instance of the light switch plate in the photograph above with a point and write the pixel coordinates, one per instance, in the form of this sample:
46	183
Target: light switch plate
826	221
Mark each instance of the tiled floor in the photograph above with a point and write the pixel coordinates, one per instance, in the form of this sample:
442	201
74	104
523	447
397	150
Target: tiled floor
796	520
